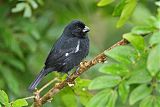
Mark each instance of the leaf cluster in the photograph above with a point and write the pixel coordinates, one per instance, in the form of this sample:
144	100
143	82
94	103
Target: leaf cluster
132	75
4	101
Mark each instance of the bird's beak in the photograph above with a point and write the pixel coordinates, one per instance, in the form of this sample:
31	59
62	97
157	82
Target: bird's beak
86	29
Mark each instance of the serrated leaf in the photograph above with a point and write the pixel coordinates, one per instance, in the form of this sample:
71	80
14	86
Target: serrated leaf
126	12
27	11
123	54
100	99
141	30
139	93
123	91
113	69
19	7
153	62
112	99
110	81
104	2
3	97
19	103
10	79
118	9
136	40
136	77
155	38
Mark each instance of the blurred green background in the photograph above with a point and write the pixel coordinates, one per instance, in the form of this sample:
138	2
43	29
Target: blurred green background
26	39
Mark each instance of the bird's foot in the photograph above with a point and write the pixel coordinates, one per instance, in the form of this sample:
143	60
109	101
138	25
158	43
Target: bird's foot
77	70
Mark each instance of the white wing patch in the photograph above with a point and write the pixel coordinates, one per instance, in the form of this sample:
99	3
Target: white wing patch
77	47
66	54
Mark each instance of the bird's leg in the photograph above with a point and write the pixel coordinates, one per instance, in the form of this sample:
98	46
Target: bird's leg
68	75
77	69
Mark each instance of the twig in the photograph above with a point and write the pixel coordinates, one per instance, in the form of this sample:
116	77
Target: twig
30	97
83	67
46	85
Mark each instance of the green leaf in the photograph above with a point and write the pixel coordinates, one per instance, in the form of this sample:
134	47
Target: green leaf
153	61
113	69
136	40
136	77
81	89
157	3
0	105
27	11
104	2
12	61
123	54
10	42
33	4
19	7
139	93
19	103
126	12
141	30
30	42
156	100
8	105
147	102
155	38
150	101
110	81
3	97
40	2
10	79
118	9
158	86
69	100
112	99
123	90
100	99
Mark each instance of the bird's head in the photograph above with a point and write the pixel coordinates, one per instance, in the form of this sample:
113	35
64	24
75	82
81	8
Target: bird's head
77	28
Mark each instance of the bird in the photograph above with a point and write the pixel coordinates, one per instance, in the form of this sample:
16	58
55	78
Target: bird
68	51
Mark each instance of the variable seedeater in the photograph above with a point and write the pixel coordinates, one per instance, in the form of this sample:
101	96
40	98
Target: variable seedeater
69	50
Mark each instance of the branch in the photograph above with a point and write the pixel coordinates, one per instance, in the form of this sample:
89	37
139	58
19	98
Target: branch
84	66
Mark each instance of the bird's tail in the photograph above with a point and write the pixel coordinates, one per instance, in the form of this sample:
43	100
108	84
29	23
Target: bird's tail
37	80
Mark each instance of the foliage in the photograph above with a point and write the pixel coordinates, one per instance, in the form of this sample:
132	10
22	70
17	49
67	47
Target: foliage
25	42
133	75
4	101
124	9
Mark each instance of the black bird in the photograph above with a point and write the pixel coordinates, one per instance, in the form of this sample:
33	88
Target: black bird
68	51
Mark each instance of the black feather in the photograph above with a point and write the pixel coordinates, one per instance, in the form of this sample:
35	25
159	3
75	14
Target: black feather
68	51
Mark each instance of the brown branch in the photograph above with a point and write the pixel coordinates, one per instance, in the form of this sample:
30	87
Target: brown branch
39	101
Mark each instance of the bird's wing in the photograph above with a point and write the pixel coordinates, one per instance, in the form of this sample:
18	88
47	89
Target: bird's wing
63	53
